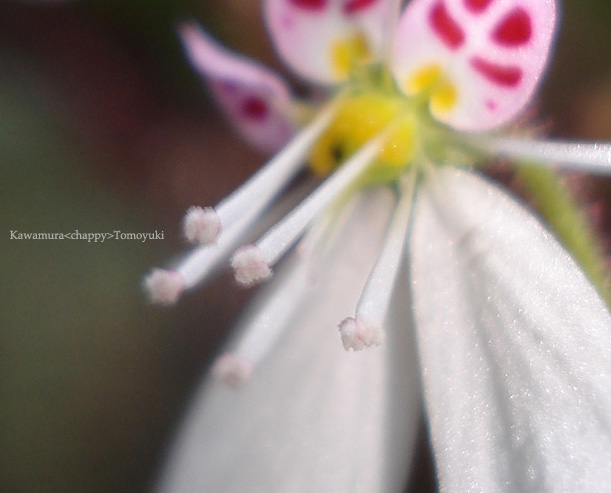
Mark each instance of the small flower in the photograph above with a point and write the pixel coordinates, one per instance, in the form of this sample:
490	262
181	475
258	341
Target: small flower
514	343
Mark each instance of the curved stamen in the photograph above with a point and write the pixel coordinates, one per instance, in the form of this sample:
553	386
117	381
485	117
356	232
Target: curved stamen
262	187
165	286
572	156
236	214
367	327
260	257
203	260
261	328
264	326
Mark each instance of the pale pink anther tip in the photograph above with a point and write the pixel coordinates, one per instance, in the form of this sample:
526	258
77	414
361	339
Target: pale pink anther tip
201	225
164	287
357	335
232	369
250	265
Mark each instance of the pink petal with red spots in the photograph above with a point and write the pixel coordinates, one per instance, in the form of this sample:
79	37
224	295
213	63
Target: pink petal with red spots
353	6
446	28
256	101
477	6
310	4
305	31
514	29
490	52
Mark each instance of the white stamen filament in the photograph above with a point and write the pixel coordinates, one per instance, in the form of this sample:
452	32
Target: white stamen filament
262	187
367	327
573	156
239	212
269	319
202	261
281	237
262	328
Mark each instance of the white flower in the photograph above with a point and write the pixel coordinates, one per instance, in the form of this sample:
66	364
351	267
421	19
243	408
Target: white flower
312	417
512	340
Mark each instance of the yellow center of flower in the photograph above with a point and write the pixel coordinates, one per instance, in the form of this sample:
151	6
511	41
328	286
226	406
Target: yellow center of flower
359	119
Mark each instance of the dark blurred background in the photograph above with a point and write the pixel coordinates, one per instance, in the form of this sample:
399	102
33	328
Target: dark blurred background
103	127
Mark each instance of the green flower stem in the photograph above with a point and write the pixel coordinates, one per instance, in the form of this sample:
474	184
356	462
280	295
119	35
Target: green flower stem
568	222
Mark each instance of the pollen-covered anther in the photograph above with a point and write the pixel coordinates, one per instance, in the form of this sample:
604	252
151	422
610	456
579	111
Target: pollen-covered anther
250	266
201	225
348	51
163	286
232	369
358	334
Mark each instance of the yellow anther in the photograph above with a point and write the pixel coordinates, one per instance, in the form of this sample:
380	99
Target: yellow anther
431	80
424	78
347	52
443	98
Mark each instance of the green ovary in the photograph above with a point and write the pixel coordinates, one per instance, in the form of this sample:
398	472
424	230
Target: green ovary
359	119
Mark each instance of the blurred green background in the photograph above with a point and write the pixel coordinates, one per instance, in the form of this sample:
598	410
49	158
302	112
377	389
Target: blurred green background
103	127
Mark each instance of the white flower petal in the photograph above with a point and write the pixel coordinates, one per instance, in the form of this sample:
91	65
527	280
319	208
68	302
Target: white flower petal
515	346
313	417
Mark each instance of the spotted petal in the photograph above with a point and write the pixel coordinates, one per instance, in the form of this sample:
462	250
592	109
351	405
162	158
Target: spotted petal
515	345
321	39
255	100
481	60
313	417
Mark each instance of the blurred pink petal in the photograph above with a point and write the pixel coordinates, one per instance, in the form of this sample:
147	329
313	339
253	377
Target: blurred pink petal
309	33
254	99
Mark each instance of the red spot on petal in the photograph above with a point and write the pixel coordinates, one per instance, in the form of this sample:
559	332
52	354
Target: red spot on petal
491	105
477	6
353	6
447	28
309	4
514	29
499	74
254	108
